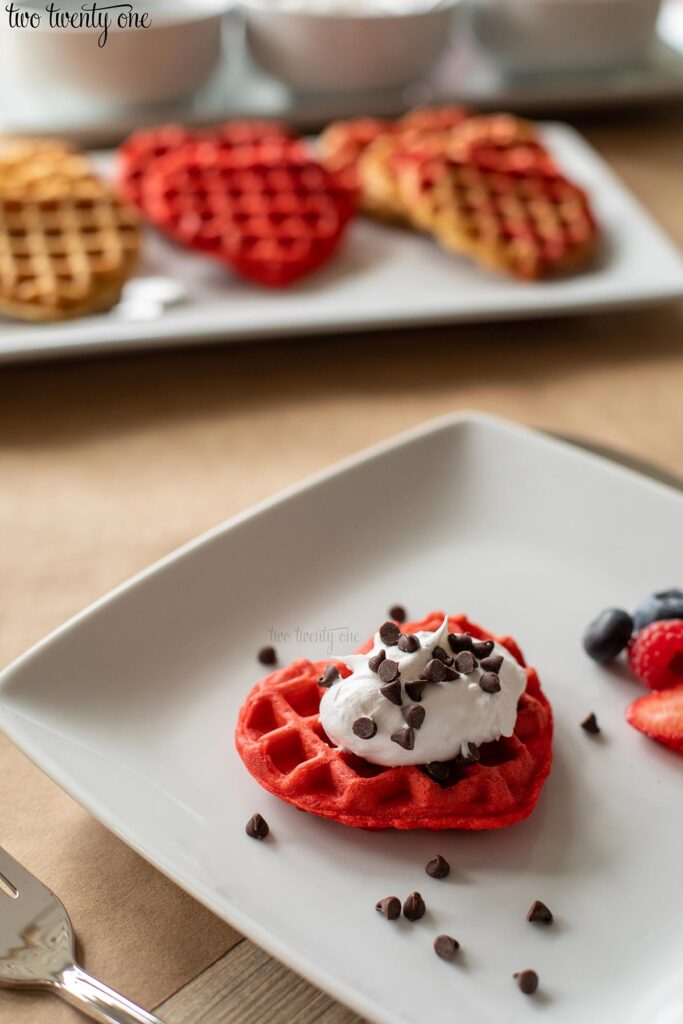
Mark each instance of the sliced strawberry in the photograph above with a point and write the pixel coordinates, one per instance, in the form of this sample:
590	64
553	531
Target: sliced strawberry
660	716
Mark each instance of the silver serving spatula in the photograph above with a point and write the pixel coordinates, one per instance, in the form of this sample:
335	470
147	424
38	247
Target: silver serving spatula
37	949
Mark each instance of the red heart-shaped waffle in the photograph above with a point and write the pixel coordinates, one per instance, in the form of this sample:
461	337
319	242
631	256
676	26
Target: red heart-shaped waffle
140	149
282	743
268	211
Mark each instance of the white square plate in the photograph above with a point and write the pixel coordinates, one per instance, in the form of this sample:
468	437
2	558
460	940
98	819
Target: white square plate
384	277
131	708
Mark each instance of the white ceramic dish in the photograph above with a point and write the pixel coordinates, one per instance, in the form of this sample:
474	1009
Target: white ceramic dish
561	35
383	278
130	707
166	61
328	51
466	74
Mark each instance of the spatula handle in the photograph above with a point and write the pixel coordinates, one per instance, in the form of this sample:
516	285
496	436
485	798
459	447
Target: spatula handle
101	1003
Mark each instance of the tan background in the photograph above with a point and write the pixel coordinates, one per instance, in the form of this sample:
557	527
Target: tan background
106	465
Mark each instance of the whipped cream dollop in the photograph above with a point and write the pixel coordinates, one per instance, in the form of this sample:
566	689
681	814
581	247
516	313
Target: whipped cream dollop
395	716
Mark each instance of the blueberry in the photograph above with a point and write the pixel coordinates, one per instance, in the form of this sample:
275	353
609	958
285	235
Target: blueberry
665	604
607	635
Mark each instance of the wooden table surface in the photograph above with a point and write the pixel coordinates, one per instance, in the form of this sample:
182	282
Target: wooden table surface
109	464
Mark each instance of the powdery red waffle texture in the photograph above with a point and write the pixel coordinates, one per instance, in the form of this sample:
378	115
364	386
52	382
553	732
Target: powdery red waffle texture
267	210
282	743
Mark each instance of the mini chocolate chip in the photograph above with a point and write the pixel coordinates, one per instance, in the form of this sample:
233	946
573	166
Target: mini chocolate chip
446	946
493	663
451	674
392	692
472	755
390	907
438	867
590	724
397	612
482	648
465	662
408	643
539	912
267	656
442	655
329	676
460	642
434	671
404	737
375	662
414	907
364	728
489	682
527	981
389	633
414	715
439	770
388	670
257	827
414	690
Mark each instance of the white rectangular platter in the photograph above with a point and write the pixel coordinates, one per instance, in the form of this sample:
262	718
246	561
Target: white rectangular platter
384	277
132	705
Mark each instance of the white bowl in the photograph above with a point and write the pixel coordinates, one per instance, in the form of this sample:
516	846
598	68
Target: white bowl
533	35
167	61
318	51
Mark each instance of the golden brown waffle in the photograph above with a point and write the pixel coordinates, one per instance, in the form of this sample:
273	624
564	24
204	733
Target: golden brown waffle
508	210
42	169
428	132
64	257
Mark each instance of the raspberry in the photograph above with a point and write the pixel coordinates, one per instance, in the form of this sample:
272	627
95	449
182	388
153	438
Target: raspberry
656	654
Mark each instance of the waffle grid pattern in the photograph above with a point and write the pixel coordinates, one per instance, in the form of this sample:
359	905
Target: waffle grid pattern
64	256
268	211
282	742
511	210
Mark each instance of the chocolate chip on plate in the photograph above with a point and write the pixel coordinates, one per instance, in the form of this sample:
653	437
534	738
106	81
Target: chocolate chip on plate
414	715
257	827
434	671
482	648
445	946
493	663
460	642
329	676
364	728
267	656
590	724
390	907
539	912
404	737
490	682
414	907
397	612
414	690
376	660
392	692
388	670
408	643
438	867
389	633
527	981
465	662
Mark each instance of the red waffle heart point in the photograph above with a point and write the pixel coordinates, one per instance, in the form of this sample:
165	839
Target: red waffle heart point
282	743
